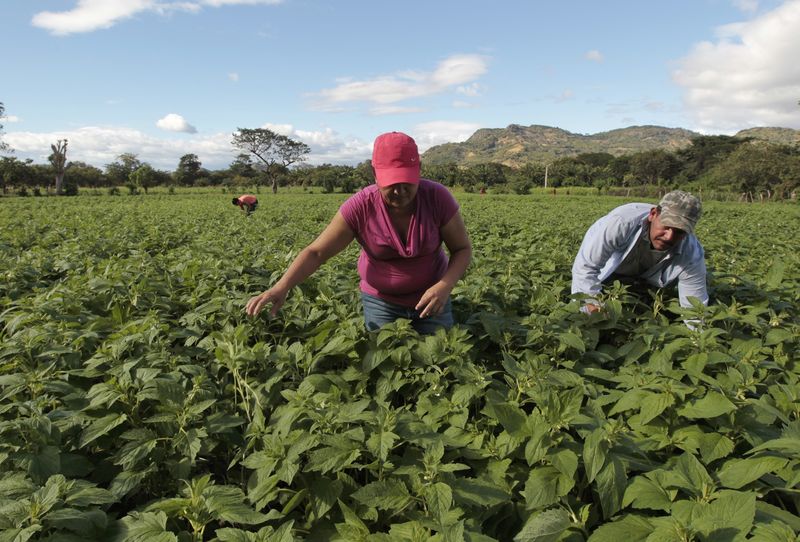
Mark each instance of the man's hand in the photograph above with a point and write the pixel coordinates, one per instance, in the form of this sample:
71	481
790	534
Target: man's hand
274	295
433	300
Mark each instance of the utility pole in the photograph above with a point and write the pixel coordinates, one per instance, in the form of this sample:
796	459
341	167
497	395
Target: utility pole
545	174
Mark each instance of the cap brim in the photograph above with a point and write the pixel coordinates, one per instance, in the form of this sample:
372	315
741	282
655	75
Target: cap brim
390	176
677	222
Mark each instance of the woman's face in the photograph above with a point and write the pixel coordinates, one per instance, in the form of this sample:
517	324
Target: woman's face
399	195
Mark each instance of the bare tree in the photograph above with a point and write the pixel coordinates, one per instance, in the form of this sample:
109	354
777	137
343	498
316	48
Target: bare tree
59	161
271	148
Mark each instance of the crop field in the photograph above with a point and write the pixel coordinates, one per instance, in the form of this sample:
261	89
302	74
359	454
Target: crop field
139	403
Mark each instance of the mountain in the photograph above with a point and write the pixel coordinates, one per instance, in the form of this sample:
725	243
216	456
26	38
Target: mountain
517	145
780	136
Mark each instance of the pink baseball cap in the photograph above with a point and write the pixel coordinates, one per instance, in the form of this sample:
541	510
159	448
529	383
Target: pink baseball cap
395	159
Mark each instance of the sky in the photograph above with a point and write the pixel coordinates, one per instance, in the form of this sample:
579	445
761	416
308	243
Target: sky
164	78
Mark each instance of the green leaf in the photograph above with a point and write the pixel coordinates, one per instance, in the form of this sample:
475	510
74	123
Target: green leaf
610	483
569	339
100	427
147	527
228	503
630	528
595	449
715	446
737	473
512	418
324	494
767	512
644	493
477	492
330	459
390	494
729	517
439	498
711	405
654	404
778	335
546	526
544	487
691	475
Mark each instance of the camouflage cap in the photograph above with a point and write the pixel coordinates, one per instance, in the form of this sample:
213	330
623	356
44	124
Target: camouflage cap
680	210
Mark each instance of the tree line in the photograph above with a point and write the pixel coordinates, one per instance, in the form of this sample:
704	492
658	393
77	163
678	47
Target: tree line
723	163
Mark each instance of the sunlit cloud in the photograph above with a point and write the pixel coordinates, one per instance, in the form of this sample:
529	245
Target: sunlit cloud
176	123
749	77
455	71
428	134
595	56
91	15
102	145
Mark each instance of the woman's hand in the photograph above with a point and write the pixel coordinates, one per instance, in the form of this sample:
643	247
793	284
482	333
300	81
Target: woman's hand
275	295
433	300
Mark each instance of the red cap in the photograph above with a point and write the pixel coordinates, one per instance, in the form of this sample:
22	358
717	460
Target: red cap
395	159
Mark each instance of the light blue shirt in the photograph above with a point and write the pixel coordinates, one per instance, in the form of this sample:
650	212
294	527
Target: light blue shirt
613	236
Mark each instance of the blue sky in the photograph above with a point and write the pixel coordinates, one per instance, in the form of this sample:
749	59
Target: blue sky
162	78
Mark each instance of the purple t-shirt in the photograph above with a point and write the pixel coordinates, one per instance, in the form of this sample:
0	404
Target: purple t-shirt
393	271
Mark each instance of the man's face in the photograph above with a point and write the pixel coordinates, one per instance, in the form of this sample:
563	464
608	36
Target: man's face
663	237
399	195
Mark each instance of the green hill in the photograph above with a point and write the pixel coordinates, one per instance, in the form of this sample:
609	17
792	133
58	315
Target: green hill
517	145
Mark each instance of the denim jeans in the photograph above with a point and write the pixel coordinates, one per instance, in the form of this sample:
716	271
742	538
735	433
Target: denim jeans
378	312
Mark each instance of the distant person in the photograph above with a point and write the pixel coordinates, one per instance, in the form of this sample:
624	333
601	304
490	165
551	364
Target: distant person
400	223
246	202
639	243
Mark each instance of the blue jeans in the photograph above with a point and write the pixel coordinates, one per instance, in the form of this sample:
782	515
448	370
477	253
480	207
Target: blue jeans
378	312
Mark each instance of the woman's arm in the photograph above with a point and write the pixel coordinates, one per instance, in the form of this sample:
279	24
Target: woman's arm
454	235
334	238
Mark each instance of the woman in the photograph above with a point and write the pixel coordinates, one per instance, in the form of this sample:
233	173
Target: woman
400	223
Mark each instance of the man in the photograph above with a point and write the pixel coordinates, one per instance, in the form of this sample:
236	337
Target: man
246	202
641	243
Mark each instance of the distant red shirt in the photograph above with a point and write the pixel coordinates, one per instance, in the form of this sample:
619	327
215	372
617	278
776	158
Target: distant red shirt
247	199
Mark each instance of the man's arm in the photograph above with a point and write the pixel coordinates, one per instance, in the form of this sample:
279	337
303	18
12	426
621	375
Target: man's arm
605	237
692	280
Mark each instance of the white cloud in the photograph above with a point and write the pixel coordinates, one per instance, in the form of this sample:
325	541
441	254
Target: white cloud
99	146
91	15
176	123
594	55
393	110
748	6
233	76
11	118
389	89
749	77
102	145
433	133
473	90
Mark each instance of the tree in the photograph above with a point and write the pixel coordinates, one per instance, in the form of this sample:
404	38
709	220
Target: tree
14	172
271	148
85	175
143	177
189	168
654	166
119	172
3	146
242	166
59	161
